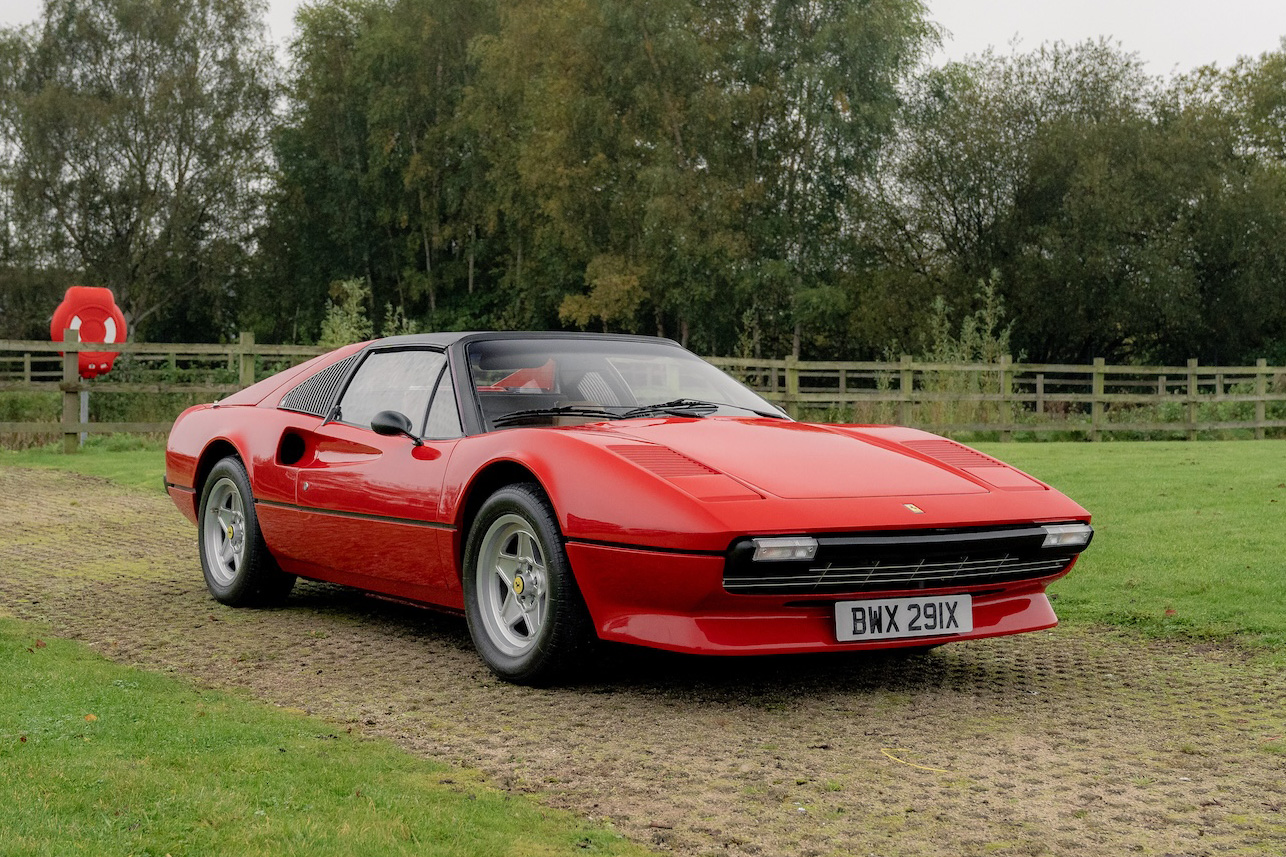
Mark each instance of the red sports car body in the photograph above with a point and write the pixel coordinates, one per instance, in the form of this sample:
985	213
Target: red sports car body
559	488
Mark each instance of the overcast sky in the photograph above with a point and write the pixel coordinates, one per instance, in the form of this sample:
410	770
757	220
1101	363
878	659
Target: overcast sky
1170	35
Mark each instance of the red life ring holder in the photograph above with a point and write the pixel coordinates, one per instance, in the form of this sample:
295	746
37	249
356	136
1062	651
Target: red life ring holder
93	313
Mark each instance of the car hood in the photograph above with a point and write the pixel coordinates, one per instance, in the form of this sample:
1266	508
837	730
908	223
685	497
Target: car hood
801	460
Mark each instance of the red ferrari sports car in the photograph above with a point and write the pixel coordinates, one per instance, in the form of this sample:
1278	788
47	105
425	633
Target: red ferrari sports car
561	488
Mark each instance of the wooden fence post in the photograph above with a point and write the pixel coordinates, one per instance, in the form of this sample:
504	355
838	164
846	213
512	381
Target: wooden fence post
1192	398
71	393
1261	390
792	386
1006	392
247	371
1096	399
906	385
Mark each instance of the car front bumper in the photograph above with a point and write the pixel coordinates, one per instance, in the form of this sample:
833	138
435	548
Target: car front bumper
677	602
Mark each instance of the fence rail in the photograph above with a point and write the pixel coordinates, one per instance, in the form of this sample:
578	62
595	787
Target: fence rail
153	370
1009	398
1003	397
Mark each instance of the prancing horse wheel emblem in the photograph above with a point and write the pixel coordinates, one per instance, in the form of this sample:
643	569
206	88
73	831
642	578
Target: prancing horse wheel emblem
518	584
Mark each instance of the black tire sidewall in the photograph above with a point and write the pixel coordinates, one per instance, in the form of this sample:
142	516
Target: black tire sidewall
244	588
565	628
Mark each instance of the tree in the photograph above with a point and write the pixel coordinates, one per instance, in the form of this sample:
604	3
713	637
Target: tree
346	320
709	151
135	133
379	174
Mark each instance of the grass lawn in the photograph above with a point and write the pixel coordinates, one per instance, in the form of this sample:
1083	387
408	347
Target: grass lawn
103	759
1190	538
123	459
100	759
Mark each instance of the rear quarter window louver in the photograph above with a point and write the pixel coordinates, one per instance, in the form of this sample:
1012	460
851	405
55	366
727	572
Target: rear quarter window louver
316	395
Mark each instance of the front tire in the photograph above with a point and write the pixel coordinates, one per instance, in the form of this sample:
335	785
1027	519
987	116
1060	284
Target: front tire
238	569
526	614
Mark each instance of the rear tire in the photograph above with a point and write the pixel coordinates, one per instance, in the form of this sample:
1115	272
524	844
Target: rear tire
238	569
526	614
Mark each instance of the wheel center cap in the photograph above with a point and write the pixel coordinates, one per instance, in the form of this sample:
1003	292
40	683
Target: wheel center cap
519	585
232	532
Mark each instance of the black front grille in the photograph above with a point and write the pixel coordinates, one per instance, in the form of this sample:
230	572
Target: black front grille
873	562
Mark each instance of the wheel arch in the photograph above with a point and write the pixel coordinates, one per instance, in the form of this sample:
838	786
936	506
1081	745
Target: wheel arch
215	451
486	482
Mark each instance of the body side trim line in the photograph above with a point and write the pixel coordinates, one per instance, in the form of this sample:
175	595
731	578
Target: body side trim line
647	548
387	519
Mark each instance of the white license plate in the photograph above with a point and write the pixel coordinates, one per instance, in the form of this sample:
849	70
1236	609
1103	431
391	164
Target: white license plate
898	618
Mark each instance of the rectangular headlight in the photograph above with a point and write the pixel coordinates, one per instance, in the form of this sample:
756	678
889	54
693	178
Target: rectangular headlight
784	549
1067	535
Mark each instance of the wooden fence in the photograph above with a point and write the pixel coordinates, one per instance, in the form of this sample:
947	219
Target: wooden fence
1008	398
1004	398
185	372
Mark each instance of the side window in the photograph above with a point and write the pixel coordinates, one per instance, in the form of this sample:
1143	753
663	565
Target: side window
391	381
444	416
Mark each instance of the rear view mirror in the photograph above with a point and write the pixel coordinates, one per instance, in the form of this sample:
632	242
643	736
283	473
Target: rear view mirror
393	423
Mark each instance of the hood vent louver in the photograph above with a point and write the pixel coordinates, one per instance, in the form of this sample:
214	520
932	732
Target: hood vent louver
662	461
952	453
975	463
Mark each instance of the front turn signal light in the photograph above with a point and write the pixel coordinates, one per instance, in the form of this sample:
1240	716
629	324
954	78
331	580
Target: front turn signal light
784	549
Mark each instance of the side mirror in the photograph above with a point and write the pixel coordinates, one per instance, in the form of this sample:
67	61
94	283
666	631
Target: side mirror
393	423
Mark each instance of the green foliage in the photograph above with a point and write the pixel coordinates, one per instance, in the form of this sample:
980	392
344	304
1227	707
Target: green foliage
154	407
18	407
1129	218
396	323
984	335
381	174
134	139
954	395
346	320
29	407
615	294
669	167
785	174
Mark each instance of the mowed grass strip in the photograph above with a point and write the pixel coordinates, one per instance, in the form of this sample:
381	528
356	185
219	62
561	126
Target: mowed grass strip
124	459
104	759
1190	537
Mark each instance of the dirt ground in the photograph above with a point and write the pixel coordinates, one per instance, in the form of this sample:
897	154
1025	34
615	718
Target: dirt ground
1064	742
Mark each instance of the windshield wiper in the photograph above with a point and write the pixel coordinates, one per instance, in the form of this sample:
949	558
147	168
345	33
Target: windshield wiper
560	411
692	408
675	407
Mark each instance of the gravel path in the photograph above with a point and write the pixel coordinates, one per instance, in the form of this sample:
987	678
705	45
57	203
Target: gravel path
1065	742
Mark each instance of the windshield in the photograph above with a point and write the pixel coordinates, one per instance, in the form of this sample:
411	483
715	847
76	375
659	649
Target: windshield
573	381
